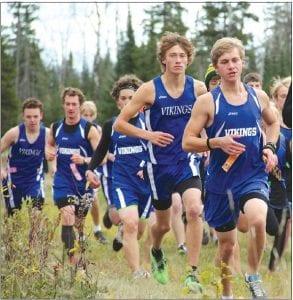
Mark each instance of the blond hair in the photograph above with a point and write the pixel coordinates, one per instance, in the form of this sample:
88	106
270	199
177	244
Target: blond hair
90	107
277	84
224	45
171	39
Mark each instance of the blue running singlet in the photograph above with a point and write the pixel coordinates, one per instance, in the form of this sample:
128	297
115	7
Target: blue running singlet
243	120
70	178
169	115
25	173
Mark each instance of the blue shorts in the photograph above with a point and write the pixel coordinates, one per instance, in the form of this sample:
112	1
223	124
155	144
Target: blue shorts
129	194
164	178
220	209
14	194
107	187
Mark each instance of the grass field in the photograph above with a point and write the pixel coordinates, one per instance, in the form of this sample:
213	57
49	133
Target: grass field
40	272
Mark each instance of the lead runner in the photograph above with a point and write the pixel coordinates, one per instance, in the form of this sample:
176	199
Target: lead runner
235	107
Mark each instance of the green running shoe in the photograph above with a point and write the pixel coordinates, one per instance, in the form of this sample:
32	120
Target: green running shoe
192	283
159	269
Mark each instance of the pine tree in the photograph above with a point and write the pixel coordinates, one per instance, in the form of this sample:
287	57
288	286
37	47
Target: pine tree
126	51
278	43
27	54
220	20
10	105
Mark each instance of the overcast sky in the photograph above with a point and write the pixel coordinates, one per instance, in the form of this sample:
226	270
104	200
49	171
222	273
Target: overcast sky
65	27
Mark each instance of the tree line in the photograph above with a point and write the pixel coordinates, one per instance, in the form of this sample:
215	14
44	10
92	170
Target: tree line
24	73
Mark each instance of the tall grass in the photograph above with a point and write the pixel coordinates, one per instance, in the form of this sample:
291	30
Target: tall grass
36	268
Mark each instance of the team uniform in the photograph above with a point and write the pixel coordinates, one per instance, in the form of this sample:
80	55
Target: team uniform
131	155
69	186
104	171
25	173
287	132
280	199
171	166
226	193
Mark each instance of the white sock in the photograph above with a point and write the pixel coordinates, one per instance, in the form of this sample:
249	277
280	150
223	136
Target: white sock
81	238
97	228
227	297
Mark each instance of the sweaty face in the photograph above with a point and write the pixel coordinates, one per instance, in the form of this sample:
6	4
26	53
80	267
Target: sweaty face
124	97
32	118
176	60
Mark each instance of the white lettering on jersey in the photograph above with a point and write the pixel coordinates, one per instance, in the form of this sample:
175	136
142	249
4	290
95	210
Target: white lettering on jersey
130	150
69	151
29	152
176	110
250	131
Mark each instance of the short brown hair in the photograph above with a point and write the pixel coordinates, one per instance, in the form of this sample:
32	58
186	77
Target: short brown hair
70	91
224	45
252	77
171	39
125	82
32	103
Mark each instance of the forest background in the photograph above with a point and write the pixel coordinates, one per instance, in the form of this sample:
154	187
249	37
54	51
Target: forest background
27	72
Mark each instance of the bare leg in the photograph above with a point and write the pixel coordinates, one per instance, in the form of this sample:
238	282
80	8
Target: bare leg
148	240
194	227
255	210
226	247
95	210
176	219
129	217
160	227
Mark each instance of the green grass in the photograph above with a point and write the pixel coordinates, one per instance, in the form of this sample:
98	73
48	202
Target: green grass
25	273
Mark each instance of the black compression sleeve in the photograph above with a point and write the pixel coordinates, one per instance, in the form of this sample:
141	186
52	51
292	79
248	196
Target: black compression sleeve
103	146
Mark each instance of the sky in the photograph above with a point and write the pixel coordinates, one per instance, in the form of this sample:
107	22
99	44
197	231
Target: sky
65	27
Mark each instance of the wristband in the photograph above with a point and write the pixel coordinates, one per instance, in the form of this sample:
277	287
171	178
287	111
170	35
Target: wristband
208	144
270	146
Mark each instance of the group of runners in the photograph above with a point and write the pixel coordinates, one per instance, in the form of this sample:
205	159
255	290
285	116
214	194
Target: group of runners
215	145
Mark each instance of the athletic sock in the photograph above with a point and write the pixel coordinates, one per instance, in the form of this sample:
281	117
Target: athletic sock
97	228
158	254
226	297
193	268
68	236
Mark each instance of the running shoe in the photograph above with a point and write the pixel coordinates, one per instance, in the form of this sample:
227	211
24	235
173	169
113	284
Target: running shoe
141	273
205	237
100	237
182	249
192	283
117	242
254	284
106	220
159	268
